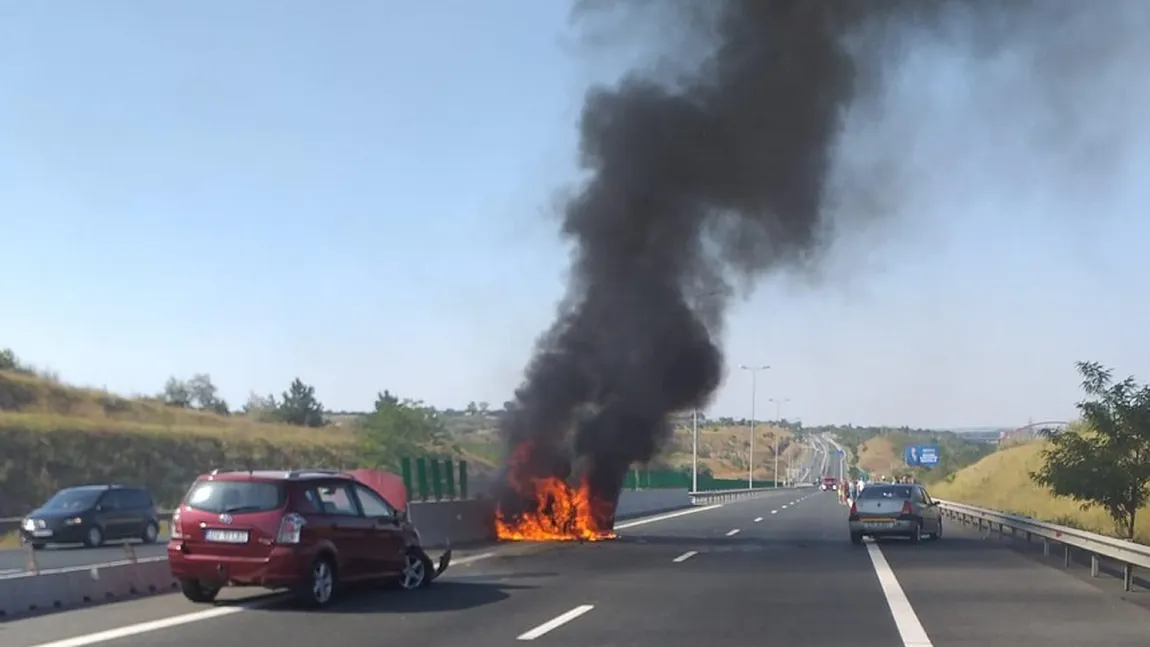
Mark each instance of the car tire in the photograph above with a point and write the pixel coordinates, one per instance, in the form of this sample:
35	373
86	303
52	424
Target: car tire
916	534
856	538
94	538
151	533
935	536
417	570
196	591
319	585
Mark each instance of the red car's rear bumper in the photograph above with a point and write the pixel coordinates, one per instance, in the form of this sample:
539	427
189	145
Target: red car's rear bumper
282	567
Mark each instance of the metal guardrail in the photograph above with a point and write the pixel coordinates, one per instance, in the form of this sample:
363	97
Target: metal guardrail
728	495
1129	554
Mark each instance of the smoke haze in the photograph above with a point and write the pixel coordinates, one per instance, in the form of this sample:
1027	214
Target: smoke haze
738	152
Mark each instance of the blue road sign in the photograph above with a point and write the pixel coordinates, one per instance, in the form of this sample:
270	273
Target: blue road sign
921	455
928	455
910	456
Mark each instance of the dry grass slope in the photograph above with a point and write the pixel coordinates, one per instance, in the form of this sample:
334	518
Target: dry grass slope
1001	481
723	450
53	435
877	456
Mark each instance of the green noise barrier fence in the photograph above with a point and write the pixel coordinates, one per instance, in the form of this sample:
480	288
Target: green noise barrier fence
675	479
434	479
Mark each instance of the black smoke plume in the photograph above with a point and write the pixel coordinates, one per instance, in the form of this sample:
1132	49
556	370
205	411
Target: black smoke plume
699	174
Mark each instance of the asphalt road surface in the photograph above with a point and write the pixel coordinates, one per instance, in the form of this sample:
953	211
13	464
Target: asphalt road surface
15	560
746	573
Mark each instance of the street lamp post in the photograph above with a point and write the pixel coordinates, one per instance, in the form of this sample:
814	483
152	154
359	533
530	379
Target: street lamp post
751	449
778	420
695	451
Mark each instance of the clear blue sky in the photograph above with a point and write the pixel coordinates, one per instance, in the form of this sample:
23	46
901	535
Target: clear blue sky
358	194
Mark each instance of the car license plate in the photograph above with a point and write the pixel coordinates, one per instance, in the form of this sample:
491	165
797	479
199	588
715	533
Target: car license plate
877	525
227	536
41	533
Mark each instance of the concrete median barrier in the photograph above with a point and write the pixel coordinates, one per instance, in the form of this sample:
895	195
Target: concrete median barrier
470	522
640	503
85	585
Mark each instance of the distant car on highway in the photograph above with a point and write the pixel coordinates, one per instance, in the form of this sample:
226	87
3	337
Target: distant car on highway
886	510
307	530
92	515
829	483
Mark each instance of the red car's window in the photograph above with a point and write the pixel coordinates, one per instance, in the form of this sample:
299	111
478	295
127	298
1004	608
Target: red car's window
337	499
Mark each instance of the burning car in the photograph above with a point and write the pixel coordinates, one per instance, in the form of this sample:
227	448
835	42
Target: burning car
546	507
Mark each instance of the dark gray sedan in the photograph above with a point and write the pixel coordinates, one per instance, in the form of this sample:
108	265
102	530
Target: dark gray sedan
889	510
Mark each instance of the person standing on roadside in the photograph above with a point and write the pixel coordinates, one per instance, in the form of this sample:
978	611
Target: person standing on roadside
854	491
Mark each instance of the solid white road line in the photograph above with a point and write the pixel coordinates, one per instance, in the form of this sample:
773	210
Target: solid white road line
208	614
758	519
145	627
556	622
471	559
685	556
905	619
733	532
639	522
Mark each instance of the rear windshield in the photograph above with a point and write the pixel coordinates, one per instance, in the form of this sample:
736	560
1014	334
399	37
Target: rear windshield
886	492
235	496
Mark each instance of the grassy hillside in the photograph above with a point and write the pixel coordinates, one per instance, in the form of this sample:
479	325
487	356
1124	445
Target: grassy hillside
723	450
878	456
1001	481
53	435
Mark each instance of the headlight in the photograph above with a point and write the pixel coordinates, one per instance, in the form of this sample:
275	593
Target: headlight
28	525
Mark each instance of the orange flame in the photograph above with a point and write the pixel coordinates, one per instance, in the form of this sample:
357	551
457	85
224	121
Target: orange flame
556	511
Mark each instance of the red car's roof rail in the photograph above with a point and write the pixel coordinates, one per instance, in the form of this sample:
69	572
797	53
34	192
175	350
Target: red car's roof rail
297	474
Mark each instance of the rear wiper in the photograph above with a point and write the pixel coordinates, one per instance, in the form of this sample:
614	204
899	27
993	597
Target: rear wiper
241	508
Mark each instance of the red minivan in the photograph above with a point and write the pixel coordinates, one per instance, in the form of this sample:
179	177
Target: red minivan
304	530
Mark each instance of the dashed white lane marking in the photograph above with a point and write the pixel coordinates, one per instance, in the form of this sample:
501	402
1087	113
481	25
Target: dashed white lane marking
556	622
639	522
905	619
784	507
758	519
732	533
774	511
685	556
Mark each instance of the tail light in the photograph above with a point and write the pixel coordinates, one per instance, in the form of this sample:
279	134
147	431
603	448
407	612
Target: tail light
854	511
176	529
290	529
907	508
